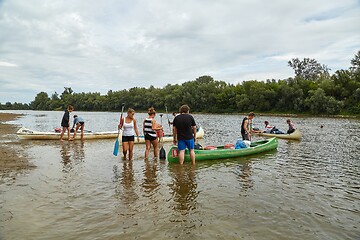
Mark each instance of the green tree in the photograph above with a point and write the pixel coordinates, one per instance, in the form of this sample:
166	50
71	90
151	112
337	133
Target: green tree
41	102
318	102
355	62
308	69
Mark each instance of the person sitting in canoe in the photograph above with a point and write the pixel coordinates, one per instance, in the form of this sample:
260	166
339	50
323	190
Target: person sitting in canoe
271	129
292	127
268	127
79	123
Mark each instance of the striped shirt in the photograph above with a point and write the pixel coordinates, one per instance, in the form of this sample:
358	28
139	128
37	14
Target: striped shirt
148	127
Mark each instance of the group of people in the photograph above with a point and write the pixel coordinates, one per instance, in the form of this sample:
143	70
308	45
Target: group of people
247	127
65	125
184	133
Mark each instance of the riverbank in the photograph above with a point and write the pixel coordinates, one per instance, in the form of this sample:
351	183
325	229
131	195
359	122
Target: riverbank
12	152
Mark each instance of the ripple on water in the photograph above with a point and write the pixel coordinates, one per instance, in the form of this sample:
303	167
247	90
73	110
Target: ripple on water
307	189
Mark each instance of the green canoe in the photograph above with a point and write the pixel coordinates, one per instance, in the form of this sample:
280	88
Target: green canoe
220	152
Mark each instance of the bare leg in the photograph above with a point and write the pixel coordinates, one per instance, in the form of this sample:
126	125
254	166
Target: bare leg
181	156
76	129
192	156
62	133
131	147
68	132
147	149
125	146
82	132
155	145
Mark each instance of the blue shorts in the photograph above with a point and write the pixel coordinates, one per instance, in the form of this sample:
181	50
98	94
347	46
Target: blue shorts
182	144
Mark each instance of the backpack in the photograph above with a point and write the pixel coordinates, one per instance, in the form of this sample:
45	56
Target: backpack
240	144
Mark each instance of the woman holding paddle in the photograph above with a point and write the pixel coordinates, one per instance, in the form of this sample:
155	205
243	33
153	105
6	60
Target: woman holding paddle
150	127
128	135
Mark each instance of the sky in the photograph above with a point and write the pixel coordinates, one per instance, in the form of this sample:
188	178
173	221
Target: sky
97	46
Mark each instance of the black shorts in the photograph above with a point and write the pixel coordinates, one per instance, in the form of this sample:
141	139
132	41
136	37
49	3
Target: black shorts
291	131
81	123
245	136
149	137
128	138
65	124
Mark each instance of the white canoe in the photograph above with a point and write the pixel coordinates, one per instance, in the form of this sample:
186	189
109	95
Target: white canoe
294	136
24	133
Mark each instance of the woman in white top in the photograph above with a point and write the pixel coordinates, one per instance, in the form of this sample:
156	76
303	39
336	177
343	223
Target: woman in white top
128	135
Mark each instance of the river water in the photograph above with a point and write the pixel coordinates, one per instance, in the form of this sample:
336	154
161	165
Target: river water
308	189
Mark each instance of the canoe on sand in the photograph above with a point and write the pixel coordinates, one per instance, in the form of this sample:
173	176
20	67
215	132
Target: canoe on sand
221	152
293	136
24	133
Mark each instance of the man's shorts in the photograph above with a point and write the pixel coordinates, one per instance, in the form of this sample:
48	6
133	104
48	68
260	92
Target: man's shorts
189	144
245	136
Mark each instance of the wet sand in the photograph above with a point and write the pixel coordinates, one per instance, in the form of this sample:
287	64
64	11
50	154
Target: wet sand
12	152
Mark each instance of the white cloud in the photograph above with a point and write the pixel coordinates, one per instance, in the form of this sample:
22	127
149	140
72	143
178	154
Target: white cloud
102	45
7	64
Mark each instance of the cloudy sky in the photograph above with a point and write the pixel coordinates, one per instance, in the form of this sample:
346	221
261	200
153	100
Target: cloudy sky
95	46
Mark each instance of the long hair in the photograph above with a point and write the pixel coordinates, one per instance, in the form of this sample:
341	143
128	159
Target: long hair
151	111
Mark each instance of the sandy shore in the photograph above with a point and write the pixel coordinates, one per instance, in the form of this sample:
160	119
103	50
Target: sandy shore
12	152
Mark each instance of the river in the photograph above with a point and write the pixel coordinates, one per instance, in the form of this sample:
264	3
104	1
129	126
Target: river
308	189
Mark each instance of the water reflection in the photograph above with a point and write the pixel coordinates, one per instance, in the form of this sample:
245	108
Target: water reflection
150	183
71	154
244	172
183	188
78	154
304	190
65	155
125	188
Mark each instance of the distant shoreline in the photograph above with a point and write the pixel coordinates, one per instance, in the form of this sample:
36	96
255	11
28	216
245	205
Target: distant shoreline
12	152
235	113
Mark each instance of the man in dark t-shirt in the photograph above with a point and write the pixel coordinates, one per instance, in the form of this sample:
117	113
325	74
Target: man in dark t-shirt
184	132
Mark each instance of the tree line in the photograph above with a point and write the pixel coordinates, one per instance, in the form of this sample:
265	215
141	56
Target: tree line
312	90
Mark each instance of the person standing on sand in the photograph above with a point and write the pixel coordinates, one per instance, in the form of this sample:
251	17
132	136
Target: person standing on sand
65	123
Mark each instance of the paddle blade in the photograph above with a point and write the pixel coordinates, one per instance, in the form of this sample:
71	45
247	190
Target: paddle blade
162	153
116	148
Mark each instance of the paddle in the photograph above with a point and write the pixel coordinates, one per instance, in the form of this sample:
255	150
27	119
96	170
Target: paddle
168	118
116	147
162	150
